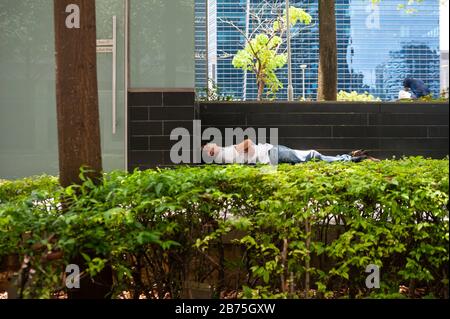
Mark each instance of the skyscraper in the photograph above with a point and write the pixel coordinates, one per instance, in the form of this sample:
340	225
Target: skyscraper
201	45
378	45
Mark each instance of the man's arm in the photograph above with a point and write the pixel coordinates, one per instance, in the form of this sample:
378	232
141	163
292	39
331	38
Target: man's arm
246	147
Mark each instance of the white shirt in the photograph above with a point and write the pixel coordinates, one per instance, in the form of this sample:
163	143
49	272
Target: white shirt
403	94
229	155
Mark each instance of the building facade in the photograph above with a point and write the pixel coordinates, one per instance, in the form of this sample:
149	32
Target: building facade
444	72
151	56
378	46
150	67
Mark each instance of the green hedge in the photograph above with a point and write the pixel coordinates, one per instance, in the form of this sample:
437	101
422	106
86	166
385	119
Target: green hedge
303	231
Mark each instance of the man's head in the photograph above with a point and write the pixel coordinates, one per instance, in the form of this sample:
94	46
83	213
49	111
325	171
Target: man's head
211	150
407	83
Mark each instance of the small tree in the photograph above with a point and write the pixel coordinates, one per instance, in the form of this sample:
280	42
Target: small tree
263	54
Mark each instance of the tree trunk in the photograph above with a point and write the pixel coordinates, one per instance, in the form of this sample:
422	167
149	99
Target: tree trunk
261	86
77	91
78	113
308	257
327	90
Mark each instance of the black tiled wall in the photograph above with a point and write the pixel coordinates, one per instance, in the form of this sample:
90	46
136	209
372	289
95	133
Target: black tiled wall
387	129
152	117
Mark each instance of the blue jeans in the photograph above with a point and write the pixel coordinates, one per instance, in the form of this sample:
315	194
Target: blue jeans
284	155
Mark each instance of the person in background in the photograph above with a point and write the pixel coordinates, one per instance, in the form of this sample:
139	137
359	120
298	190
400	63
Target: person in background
417	87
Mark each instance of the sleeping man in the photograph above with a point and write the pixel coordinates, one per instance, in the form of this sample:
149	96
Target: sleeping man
248	152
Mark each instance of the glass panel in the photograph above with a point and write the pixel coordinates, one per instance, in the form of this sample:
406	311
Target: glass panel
113	145
28	135
162	44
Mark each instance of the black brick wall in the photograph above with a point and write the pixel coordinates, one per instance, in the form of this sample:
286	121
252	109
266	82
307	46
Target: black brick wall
387	129
152	117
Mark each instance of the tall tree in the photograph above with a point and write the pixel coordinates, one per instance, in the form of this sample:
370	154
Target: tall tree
327	90
76	88
78	112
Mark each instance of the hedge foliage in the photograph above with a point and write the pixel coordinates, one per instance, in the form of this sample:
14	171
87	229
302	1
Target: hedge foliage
303	231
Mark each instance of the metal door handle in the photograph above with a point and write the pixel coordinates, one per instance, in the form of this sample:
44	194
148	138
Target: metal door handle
114	77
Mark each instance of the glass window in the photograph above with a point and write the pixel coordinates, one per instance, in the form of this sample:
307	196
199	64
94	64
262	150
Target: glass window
28	134
378	46
162	44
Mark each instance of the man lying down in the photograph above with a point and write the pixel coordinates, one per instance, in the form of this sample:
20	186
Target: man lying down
248	152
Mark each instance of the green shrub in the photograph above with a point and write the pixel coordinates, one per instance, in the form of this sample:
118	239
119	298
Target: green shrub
356	97
160	229
428	98
20	190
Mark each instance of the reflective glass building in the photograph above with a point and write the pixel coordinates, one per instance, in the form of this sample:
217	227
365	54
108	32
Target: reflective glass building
201	44
378	46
